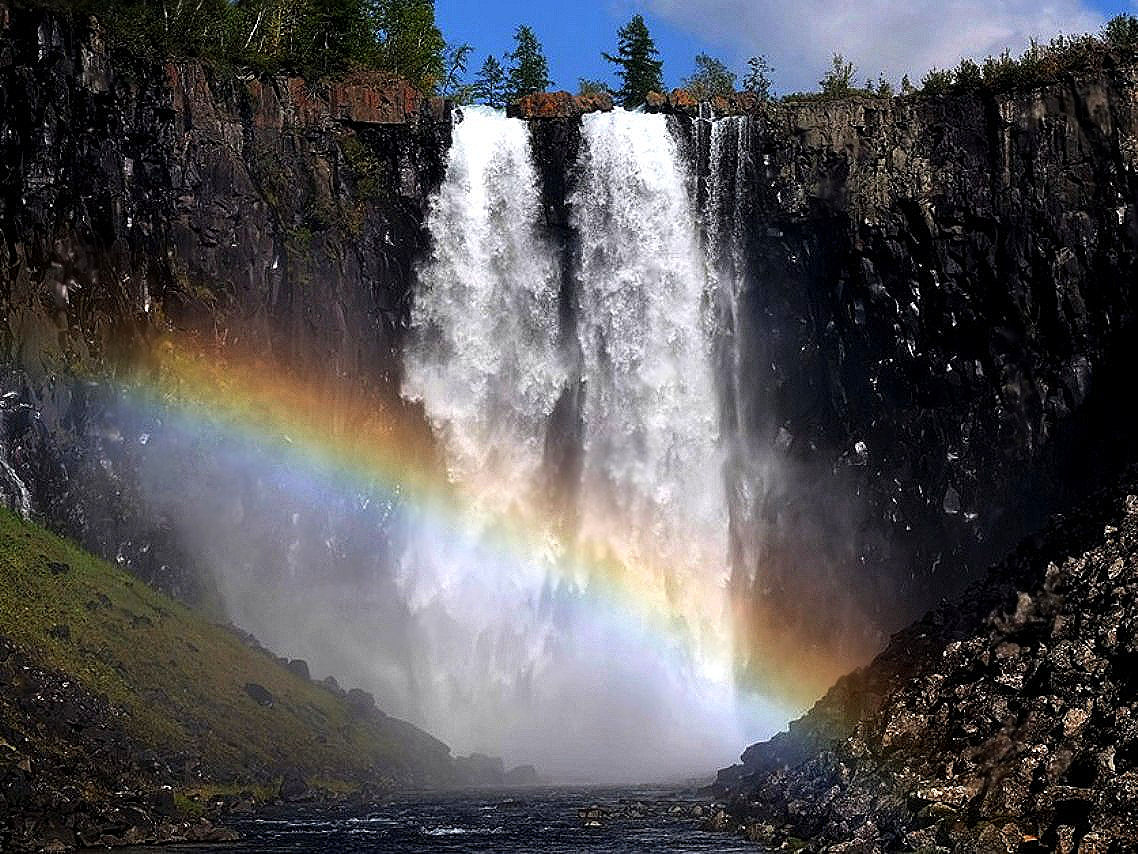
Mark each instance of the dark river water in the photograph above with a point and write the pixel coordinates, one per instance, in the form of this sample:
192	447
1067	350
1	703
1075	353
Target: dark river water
630	819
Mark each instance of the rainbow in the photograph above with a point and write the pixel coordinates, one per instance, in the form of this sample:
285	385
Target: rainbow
364	441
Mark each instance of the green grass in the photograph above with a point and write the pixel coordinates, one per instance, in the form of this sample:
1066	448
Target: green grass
181	678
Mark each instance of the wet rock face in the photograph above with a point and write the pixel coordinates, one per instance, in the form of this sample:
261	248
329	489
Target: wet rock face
268	212
935	324
1003	721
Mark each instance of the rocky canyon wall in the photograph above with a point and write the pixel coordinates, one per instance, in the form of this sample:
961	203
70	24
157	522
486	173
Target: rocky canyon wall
925	347
267	214
937	323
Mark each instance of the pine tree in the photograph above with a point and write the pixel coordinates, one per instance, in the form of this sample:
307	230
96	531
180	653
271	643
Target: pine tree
838	81
711	78
454	85
490	84
758	79
529	70
639	70
411	45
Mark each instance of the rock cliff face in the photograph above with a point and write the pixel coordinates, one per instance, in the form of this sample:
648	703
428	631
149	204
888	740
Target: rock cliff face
936	323
270	214
933	317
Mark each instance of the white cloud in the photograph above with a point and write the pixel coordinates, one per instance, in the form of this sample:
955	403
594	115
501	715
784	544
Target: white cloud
894	36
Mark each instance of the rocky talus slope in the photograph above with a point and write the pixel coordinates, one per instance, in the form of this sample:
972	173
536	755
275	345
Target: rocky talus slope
1004	721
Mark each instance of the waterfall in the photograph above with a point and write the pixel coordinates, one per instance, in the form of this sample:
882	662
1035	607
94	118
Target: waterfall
484	356
610	635
14	493
726	212
652	465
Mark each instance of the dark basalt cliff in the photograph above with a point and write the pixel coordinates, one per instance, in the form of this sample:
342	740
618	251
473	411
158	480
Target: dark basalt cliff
270	214
940	307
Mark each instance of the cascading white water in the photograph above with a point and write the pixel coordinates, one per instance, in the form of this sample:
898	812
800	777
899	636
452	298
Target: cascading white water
13	491
484	360
604	643
726	212
484	356
652	465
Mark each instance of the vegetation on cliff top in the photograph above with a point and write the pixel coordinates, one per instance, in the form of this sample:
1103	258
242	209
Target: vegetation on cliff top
637	61
312	38
1040	63
183	682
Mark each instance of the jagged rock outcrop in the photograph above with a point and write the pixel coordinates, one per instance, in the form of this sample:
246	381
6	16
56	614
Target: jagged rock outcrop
559	105
1004	721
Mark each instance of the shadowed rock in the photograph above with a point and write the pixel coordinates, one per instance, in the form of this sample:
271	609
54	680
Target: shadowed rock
998	720
259	694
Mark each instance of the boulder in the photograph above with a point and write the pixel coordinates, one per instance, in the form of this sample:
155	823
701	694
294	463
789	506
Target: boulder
478	769
522	775
259	694
360	702
163	804
299	667
294	788
683	101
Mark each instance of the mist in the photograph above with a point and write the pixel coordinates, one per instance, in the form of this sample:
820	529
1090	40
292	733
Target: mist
594	594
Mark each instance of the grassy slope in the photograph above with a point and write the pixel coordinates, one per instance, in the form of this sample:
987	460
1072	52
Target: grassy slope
181	679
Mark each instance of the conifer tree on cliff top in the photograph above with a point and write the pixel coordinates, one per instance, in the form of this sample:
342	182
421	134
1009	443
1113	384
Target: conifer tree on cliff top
490	84
639	69
529	71
411	45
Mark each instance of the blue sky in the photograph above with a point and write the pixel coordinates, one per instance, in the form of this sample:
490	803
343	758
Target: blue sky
891	36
